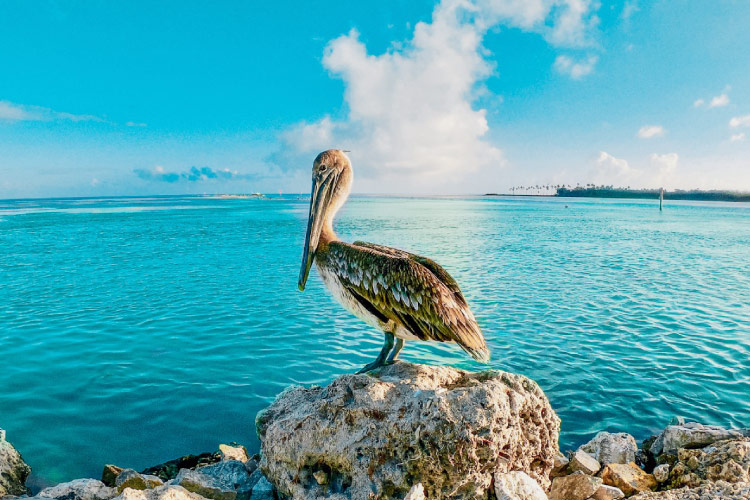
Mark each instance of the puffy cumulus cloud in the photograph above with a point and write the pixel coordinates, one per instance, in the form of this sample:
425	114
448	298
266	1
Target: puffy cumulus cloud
21	113
411	110
740	121
193	174
651	131
719	101
575	69
660	171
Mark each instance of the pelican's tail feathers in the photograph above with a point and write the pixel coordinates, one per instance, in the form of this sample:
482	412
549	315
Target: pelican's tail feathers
482	354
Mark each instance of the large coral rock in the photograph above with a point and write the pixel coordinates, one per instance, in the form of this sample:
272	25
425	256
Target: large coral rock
376	435
13	470
612	448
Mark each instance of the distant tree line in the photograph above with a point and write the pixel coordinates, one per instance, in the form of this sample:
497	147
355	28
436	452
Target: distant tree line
592	191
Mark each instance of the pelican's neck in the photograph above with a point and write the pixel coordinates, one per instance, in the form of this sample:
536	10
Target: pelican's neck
327	234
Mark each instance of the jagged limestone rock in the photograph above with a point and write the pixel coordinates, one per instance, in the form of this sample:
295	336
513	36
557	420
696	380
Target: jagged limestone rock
233	452
517	485
577	486
612	448
83	489
690	435
720	490
630	478
722	461
13	470
375	435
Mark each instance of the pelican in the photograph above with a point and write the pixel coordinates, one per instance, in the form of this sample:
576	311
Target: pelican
405	296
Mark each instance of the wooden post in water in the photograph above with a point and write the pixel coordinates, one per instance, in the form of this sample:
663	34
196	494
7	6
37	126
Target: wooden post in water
661	199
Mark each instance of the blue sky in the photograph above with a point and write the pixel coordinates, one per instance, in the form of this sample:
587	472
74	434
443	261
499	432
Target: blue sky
457	96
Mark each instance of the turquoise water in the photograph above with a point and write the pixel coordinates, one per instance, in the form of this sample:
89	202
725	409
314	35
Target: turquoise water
136	330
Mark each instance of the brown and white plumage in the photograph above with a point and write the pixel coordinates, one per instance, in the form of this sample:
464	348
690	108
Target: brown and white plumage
406	296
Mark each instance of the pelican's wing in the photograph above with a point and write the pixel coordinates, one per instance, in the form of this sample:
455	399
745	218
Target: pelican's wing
409	289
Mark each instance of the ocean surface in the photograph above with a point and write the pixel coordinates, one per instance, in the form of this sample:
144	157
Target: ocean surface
136	330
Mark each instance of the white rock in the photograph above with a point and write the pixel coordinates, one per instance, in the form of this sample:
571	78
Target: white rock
606	492
582	461
661	472
85	489
415	493
517	485
612	448
379	434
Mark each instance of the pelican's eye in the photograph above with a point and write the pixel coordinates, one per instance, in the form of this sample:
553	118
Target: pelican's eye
322	169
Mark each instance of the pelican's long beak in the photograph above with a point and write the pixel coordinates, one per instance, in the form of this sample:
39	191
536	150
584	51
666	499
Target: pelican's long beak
319	201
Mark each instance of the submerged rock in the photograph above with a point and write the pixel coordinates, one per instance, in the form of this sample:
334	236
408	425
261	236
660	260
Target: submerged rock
80	489
13	470
517	485
612	448
376	435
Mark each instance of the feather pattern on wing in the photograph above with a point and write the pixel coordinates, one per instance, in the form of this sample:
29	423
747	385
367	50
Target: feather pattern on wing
413	291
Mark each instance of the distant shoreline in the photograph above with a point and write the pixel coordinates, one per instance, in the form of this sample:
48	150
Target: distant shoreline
642	194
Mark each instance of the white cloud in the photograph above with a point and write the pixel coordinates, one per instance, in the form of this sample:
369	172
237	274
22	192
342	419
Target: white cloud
698	103
575	69
737	137
719	101
664	167
18	112
740	121
611	170
650	131
411	110
135	124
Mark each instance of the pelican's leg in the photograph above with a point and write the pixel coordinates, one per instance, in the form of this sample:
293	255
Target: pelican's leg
394	353
380	360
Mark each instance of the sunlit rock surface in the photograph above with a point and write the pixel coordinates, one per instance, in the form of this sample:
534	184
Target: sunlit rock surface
376	435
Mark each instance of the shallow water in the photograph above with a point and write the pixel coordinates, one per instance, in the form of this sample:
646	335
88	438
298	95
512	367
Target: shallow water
135	330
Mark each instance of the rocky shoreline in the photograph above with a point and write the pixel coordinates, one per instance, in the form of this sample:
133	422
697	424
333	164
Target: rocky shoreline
415	432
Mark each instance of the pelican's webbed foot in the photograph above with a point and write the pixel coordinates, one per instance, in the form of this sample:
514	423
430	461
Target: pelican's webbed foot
382	358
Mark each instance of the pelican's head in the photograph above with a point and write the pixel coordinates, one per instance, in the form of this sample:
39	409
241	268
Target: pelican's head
331	183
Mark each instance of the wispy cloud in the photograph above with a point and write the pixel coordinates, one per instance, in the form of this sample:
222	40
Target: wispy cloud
13	112
135	124
659	171
651	131
575	69
740	121
193	174
412	110
698	103
737	137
